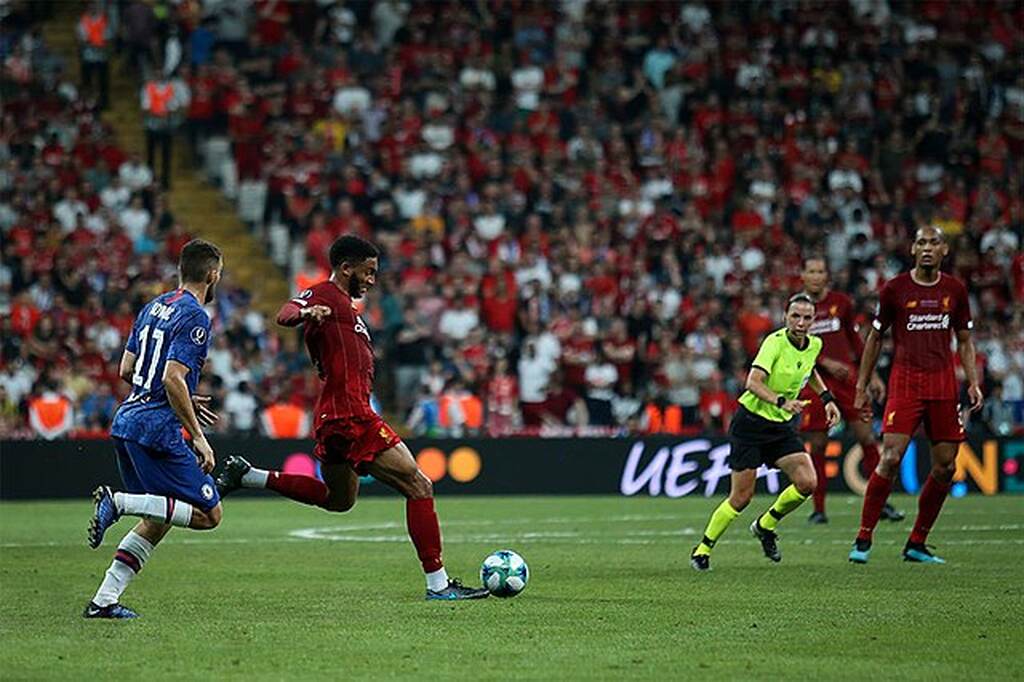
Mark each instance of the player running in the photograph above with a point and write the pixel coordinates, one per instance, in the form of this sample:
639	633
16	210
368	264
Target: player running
764	431
922	307
166	482
351	439
841	347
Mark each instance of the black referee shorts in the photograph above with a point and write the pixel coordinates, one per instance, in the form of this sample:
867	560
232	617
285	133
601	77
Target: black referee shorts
755	440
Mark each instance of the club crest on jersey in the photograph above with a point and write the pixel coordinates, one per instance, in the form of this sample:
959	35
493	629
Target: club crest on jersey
945	302
832	310
207	491
911	304
198	335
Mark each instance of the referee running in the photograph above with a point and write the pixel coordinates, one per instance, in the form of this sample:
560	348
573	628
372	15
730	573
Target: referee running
765	431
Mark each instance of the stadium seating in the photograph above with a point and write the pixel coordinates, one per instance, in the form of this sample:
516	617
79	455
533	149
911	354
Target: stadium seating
626	189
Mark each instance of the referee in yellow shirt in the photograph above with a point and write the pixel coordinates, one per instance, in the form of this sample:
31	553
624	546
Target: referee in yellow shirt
765	431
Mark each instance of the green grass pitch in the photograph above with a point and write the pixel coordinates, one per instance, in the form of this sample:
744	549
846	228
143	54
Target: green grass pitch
283	591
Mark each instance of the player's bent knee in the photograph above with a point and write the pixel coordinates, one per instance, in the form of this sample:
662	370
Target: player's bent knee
207	520
420	487
340	505
944	472
739	500
889	462
806	484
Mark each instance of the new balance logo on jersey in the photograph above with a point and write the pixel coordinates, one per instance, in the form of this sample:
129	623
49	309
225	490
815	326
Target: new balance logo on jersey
927	322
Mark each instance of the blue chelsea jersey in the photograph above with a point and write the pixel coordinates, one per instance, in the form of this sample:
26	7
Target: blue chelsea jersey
173	326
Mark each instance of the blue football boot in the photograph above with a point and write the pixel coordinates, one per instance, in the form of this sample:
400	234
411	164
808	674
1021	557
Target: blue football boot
456	590
860	552
105	516
111	612
919	553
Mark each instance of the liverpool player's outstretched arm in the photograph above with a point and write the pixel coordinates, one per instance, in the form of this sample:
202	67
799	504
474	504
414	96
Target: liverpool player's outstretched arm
965	349
296	311
872	347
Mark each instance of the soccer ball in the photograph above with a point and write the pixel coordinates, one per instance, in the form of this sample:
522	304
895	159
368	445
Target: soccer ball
504	573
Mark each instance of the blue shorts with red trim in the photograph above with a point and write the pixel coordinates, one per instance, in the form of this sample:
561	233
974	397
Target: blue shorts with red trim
171	474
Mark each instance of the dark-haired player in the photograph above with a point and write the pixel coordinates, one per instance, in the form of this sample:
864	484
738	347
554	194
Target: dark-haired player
764	431
351	438
840	350
166	482
924	308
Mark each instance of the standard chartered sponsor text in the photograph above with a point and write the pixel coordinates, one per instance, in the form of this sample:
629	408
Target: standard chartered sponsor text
927	322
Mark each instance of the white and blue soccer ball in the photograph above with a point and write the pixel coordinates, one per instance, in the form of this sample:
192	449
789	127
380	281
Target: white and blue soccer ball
504	573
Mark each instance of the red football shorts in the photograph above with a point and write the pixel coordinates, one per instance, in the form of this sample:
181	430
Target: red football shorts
941	418
356	440
813	417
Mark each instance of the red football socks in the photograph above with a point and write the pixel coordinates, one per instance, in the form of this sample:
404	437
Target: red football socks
869	459
819	491
299	488
875	496
425	532
929	504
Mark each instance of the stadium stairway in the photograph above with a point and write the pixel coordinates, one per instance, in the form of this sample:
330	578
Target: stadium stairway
199	205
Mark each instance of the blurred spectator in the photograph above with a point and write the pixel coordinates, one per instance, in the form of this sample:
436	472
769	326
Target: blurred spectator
95	33
534	373
311	274
456	322
998	415
502	400
283	419
136	175
139	21
241	407
164	101
562	406
716	406
411	356
98	407
51	414
459	411
599	378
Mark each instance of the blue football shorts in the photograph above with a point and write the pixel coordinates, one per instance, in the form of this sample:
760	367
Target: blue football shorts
172	474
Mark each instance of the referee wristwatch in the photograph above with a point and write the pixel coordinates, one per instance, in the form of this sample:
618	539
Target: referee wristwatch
780	401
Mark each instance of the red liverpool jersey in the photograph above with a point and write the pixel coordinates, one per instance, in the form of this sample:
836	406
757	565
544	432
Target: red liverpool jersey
833	322
341	349
923	319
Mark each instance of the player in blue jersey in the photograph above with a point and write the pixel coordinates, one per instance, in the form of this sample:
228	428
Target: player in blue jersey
166	482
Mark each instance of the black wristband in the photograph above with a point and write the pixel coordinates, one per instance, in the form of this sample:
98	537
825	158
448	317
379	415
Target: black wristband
827	397
780	401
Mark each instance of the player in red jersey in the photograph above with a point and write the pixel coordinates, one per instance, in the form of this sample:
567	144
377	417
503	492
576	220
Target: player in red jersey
841	348
351	439
922	307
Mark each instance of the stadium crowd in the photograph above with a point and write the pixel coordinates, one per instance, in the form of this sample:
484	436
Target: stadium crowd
590	212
